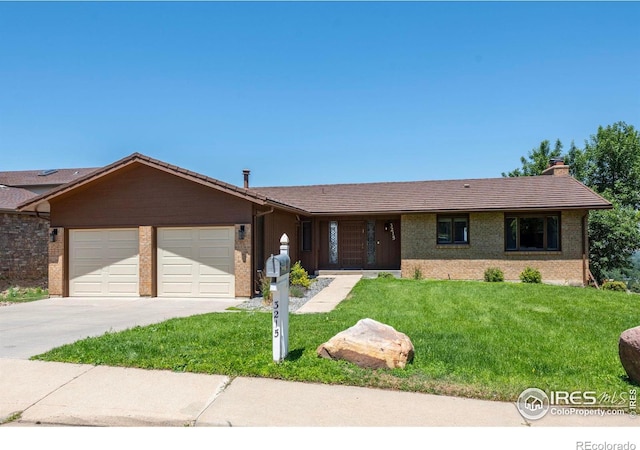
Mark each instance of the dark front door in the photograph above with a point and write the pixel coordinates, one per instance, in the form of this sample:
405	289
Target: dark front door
352	240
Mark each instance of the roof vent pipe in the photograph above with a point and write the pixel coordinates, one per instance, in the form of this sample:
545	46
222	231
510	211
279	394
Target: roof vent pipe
246	173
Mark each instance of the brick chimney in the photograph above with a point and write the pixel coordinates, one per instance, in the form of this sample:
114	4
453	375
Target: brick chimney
557	168
246	173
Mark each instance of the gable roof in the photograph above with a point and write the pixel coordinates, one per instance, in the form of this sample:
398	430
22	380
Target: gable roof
138	158
542	193
545	192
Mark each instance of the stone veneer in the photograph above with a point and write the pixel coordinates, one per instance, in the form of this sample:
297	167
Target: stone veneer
420	250
23	240
243	262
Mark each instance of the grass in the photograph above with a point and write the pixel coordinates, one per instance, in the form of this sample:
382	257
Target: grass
472	339
21	295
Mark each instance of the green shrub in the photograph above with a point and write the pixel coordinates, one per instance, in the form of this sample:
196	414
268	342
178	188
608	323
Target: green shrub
265	289
296	291
493	274
531	275
634	286
298	276
385	275
417	274
614	286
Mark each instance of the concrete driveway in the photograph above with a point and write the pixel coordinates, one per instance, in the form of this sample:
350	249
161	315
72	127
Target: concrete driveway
28	329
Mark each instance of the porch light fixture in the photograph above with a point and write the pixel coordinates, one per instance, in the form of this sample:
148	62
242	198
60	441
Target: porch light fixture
53	234
241	233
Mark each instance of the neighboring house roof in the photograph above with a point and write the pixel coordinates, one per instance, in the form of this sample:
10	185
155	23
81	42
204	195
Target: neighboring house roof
546	192
19	186
24	178
11	197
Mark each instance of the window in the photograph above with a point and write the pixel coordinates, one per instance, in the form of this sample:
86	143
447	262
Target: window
453	230
532	232
306	236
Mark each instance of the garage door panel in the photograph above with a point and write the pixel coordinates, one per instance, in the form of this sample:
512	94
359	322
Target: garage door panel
103	262
204	268
214	289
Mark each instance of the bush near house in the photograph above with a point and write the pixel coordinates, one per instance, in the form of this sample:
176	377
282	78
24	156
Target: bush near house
618	286
299	276
493	274
530	275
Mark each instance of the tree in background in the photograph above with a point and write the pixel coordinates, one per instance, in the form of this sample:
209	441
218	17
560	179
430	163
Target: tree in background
610	165
538	160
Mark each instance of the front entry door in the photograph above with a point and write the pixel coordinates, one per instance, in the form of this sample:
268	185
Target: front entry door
352	237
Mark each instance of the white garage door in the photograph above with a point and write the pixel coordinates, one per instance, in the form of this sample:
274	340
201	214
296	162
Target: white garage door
103	262
196	262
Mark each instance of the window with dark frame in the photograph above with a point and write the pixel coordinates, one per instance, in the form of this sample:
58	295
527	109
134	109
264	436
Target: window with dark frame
535	232
453	230
306	236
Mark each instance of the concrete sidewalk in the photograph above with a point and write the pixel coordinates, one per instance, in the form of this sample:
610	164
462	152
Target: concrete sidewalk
329	297
50	393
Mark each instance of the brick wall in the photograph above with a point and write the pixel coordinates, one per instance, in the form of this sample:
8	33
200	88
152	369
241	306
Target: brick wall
23	249
58	265
147	261
243	262
486	249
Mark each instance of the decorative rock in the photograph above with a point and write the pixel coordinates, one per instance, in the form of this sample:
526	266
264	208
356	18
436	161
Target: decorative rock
629	351
369	344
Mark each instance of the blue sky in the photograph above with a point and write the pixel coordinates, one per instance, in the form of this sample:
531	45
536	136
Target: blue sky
312	92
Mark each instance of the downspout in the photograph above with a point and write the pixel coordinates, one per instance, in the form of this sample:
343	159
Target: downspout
254	227
585	249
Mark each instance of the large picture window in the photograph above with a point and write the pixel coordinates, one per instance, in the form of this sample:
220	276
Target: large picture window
532	232
453	230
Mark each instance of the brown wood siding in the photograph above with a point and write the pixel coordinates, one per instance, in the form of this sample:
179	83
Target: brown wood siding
275	224
141	195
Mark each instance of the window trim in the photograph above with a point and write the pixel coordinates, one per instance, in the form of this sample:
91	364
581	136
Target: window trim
545	238
452	218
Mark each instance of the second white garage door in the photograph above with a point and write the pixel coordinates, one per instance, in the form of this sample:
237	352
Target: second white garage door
196	262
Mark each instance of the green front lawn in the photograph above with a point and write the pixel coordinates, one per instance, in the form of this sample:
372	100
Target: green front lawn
484	340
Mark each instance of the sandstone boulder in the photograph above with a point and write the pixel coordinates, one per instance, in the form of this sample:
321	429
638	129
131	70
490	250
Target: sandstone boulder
629	351
369	344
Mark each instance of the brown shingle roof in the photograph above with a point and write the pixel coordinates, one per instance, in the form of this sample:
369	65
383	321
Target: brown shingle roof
490	194
23	178
11	197
247	194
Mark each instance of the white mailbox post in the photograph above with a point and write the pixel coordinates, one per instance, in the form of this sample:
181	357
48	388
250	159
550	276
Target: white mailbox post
277	267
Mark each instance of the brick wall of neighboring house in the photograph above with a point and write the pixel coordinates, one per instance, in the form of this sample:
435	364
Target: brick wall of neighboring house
243	262
486	248
23	249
